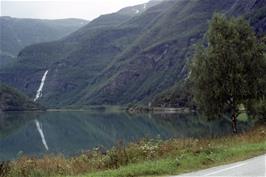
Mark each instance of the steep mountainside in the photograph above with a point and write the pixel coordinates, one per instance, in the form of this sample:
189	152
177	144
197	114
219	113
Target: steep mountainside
159	59
124	57
17	33
12	100
75	61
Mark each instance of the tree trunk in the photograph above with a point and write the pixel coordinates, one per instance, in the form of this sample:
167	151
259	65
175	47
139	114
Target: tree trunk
234	122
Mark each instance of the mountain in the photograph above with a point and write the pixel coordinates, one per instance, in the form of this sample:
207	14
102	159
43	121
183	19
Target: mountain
12	100
124	57
17	33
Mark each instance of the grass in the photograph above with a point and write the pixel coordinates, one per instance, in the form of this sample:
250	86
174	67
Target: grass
146	157
148	168
186	163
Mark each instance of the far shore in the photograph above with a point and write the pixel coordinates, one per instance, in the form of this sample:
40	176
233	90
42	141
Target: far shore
159	110
131	110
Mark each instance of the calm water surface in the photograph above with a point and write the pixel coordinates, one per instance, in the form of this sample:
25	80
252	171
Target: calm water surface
69	133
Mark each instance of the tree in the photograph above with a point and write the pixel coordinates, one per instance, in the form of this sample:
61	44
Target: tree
227	74
257	108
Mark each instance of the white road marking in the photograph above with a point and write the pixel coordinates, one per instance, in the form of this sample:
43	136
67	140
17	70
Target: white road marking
222	170
252	167
265	165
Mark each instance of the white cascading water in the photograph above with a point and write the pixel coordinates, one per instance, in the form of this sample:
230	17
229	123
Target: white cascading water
188	76
41	134
39	91
144	6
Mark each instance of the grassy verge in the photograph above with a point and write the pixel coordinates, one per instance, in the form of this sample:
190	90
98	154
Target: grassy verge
186	163
147	157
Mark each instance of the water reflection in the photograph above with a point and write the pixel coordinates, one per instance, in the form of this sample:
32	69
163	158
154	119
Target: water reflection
71	132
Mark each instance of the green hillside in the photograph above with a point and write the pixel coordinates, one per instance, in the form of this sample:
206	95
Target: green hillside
12	100
124	57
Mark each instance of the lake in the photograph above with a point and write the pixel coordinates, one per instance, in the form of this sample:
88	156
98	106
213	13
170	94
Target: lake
71	132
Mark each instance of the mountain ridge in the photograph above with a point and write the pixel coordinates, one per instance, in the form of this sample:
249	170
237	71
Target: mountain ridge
17	33
127	62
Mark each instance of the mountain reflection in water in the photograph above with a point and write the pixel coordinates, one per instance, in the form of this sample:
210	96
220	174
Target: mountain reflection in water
70	133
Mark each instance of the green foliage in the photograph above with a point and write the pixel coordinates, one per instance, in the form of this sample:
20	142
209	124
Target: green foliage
180	95
137	56
12	100
257	108
120	58
229	72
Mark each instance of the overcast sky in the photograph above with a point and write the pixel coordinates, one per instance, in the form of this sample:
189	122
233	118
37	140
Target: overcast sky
86	9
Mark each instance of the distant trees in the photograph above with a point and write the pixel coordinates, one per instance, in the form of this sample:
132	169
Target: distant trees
229	74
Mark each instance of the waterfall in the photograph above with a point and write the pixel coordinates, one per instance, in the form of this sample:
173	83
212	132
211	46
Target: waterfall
41	134
188	76
144	6
39	91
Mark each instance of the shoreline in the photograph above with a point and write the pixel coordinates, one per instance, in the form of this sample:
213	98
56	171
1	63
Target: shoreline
147	157
130	110
158	110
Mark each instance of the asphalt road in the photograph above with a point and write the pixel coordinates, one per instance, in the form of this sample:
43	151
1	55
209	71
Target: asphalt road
255	167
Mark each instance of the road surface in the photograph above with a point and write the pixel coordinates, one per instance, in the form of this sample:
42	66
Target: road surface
255	167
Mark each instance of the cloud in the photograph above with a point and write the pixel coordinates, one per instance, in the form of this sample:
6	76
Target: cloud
87	9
